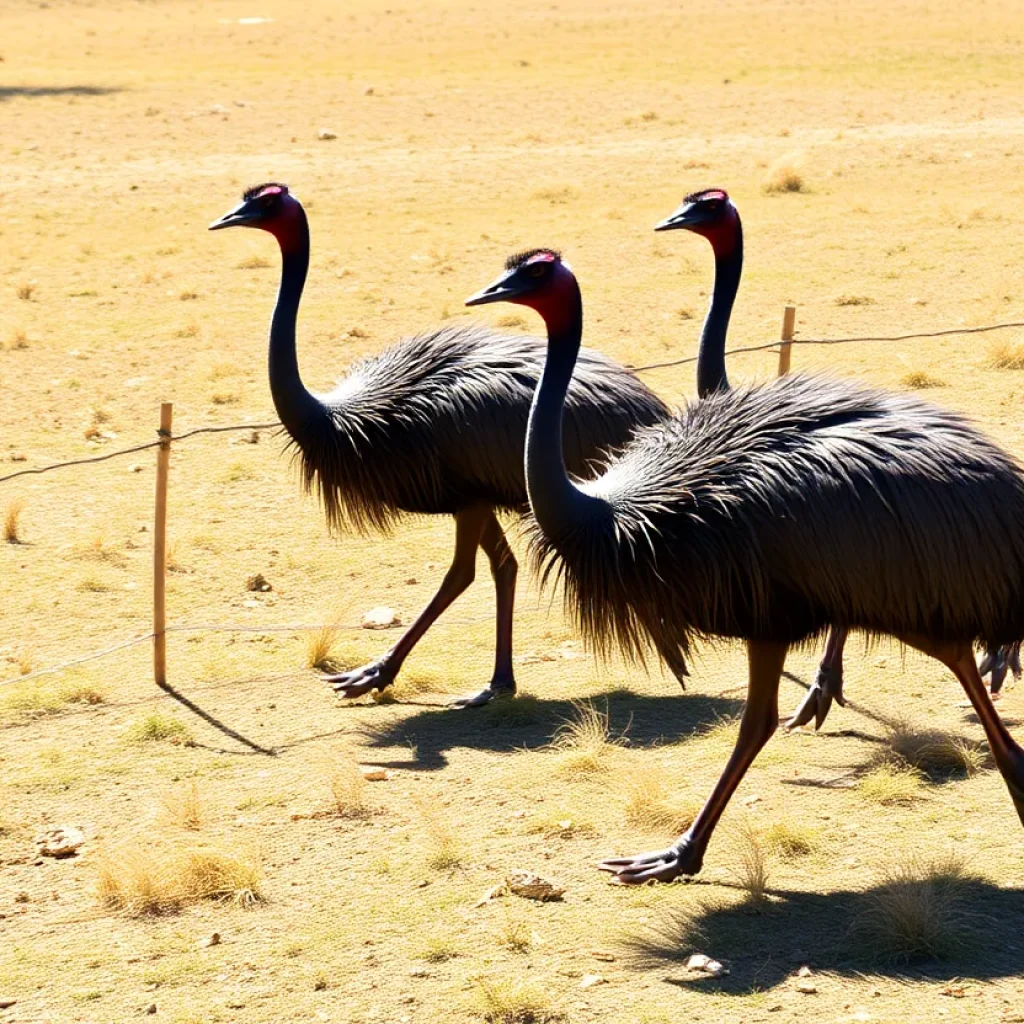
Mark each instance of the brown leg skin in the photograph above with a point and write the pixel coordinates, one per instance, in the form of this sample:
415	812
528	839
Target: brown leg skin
504	569
469	527
760	720
827	686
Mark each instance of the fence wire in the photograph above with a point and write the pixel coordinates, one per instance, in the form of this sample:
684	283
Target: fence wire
222	627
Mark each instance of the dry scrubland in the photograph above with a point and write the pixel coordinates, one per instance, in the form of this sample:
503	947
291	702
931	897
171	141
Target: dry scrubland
874	151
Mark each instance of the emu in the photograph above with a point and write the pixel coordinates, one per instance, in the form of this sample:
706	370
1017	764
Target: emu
713	215
433	425
766	513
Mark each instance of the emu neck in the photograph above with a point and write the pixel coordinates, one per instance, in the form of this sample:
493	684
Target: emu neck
558	505
711	374
294	404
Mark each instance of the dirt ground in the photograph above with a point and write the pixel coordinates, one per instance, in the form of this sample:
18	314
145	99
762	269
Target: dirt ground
464	130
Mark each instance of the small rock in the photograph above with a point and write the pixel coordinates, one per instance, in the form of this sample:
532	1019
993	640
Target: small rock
258	584
368	91
210	940
603	955
419	972
808	988
590	980
804	972
749	801
135	467
60	842
381	617
5	1003
705	965
320	985
532	887
411	581
325	135
151	1008
376	774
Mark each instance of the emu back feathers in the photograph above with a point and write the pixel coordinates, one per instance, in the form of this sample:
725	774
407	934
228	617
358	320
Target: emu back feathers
437	422
774	511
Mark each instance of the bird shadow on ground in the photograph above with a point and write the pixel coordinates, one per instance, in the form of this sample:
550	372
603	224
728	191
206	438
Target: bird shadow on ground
8	92
530	723
764	946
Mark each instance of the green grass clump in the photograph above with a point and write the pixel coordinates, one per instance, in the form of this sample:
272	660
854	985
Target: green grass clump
157	728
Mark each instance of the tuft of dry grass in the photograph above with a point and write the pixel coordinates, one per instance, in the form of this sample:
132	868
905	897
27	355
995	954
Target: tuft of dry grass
921	380
182	806
933	753
648	804
320	644
149	880
157	728
512	320
782	177
439	949
790	841
754	867
1005	355
853	300
348	793
920	909
12	521
514	932
891	785
40	699
585	740
443	848
253	263
26	291
507	1001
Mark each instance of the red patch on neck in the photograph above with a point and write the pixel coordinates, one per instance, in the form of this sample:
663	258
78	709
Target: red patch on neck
286	227
554	302
722	233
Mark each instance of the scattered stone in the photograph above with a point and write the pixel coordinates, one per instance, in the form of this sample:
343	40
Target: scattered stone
376	774
60	842
749	801
532	887
603	955
368	91
804	972
258	584
411	581
807	988
210	940
135	467
151	1008
325	135
320	985
590	980
705	965
495	890
419	972
6	1003
381	617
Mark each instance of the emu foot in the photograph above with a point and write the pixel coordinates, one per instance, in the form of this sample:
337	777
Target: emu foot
499	688
685	858
996	663
358	681
827	686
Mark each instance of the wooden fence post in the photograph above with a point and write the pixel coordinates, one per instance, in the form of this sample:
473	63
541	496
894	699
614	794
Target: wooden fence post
785	349
163	459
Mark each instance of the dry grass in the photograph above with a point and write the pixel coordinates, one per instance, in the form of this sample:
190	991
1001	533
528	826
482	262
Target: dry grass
585	740
790	841
649	805
514	931
933	753
151	880
181	806
443	851
853	300
920	911
348	792
440	948
12	521
47	698
892	785
254	263
921	380
159	728
753	870
26	291
1005	355
783	176
507	1001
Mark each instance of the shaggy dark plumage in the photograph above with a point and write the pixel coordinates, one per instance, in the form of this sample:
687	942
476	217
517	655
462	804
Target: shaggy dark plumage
520	258
437	422
770	512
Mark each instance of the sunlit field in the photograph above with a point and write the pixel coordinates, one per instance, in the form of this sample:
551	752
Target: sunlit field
873	150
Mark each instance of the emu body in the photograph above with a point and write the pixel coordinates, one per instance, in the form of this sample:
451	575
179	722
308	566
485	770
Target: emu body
767	513
434	425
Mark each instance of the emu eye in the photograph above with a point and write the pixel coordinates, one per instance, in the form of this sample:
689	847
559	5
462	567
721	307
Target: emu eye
537	270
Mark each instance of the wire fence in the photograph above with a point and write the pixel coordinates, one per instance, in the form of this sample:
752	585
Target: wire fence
173	439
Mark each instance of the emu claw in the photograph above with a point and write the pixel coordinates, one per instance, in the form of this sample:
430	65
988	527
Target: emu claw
827	686
359	681
685	858
494	690
997	662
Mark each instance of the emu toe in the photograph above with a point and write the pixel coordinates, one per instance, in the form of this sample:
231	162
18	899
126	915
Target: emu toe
685	858
827	687
495	690
359	681
997	663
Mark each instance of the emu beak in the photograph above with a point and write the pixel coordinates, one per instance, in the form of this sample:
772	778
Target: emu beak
500	290
240	216
682	218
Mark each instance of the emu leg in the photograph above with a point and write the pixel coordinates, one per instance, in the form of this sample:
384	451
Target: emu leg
827	686
998	661
760	720
469	525
1008	755
504	569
